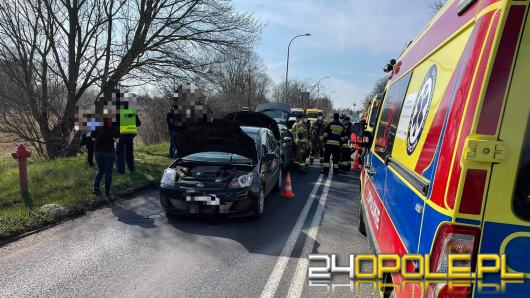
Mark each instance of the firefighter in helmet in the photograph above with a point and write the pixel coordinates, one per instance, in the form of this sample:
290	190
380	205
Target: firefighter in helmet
333	135
317	137
345	150
301	139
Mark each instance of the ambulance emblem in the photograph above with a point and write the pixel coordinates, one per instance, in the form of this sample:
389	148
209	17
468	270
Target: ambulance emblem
421	110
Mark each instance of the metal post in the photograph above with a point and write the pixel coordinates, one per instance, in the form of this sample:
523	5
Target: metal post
287	68
21	154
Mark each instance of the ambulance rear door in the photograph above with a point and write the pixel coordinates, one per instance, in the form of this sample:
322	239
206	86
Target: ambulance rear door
503	139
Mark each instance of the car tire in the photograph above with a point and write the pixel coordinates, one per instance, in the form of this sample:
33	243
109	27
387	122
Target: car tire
259	206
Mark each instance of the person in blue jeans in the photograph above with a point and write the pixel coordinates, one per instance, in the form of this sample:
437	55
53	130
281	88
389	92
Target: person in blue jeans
105	153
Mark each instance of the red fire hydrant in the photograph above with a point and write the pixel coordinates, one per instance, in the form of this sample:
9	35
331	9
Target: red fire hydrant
21	155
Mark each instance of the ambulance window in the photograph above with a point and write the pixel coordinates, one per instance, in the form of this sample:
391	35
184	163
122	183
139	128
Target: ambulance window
389	118
521	202
374	113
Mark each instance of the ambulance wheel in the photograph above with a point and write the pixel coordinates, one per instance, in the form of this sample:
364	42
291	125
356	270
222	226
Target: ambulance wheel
362	227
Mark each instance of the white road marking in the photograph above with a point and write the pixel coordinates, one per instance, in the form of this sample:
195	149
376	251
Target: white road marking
297	284
283	259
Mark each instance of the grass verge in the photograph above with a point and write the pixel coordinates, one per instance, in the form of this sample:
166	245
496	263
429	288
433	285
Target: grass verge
67	183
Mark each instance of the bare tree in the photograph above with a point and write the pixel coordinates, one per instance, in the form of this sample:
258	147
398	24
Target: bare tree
298	96
437	5
241	81
379	88
154	126
76	45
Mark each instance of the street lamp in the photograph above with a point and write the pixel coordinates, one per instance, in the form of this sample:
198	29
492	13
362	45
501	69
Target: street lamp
287	69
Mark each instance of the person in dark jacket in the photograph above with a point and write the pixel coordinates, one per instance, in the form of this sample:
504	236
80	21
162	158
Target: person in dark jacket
171	119
86	141
345	151
105	153
333	136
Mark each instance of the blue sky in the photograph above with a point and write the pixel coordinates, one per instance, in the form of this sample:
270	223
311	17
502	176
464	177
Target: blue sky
351	39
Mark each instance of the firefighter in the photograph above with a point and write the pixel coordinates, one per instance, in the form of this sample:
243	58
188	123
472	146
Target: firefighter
332	143
301	139
317	136
346	151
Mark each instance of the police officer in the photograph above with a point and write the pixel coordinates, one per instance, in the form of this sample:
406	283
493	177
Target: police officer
332	143
301	138
345	161
317	137
128	124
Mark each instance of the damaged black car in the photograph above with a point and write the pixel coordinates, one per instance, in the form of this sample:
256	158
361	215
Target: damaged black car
221	168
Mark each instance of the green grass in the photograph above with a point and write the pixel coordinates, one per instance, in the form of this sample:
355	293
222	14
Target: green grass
68	182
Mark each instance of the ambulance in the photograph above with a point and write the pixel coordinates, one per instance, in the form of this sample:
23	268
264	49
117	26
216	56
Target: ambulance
447	170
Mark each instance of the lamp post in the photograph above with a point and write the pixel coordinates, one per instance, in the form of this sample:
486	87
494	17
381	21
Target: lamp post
287	69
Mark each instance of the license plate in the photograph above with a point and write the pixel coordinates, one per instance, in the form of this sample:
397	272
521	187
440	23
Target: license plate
210	200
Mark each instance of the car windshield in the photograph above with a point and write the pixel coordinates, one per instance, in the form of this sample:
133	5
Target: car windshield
297	113
220	157
278	115
312	115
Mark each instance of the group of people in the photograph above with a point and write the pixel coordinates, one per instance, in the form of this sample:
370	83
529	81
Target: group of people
330	141
110	145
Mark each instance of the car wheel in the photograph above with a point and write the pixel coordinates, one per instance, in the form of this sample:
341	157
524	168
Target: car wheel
278	185
259	206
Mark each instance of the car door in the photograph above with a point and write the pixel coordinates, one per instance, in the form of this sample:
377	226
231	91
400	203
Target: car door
273	163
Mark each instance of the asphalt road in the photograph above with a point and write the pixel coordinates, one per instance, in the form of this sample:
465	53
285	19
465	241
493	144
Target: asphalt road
131	249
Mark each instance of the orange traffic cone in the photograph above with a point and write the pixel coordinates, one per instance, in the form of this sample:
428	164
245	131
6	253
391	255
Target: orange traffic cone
287	187
355	163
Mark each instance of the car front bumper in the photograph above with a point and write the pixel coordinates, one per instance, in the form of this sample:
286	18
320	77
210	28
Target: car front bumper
195	202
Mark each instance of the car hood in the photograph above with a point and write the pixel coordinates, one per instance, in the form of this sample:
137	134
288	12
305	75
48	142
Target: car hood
255	119
217	136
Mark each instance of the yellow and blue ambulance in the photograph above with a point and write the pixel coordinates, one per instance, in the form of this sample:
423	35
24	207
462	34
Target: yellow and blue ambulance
448	169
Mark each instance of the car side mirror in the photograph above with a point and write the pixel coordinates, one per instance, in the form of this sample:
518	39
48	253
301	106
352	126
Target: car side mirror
287	140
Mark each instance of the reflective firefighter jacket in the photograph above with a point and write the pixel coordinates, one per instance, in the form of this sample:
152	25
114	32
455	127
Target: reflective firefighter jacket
334	133
300	133
346	136
317	130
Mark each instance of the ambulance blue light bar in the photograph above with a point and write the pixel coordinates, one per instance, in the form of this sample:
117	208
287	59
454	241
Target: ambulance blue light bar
464	5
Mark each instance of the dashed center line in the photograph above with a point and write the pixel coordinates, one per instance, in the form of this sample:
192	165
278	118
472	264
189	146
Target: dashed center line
274	279
297	285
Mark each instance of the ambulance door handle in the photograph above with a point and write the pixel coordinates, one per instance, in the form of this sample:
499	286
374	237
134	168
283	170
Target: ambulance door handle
370	172
418	208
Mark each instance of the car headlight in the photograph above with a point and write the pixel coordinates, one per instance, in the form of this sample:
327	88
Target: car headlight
168	177
241	181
